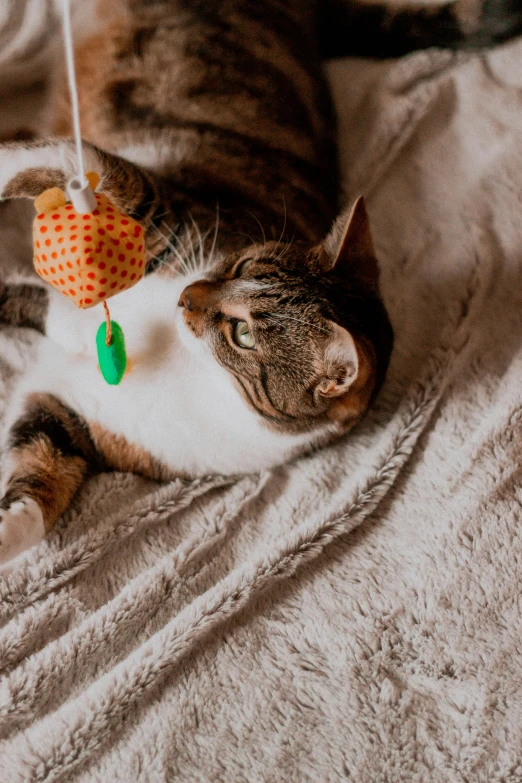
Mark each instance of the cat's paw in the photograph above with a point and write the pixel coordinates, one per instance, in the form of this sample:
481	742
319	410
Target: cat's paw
29	168
21	527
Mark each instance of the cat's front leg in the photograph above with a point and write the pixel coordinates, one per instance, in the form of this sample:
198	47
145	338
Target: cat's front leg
24	302
48	453
30	303
29	168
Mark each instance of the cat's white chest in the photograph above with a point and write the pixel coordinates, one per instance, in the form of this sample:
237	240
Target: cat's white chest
179	405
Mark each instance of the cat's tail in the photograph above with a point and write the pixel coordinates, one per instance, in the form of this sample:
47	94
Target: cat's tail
368	29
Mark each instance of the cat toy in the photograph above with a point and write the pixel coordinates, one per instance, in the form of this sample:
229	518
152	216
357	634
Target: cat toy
85	246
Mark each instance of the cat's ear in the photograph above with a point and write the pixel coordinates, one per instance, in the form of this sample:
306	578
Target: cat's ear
349	247
340	363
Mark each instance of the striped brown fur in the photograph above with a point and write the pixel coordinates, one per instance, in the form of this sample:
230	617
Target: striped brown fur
116	453
50	453
43	473
23	305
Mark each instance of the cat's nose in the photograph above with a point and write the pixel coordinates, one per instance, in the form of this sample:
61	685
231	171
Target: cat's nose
184	300
196	296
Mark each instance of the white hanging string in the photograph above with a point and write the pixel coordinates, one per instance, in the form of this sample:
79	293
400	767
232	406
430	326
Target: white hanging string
80	191
73	89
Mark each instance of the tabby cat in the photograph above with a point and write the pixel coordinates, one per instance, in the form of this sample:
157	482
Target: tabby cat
258	332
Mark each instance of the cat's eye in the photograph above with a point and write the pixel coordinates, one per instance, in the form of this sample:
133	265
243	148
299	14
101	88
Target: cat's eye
243	336
242	267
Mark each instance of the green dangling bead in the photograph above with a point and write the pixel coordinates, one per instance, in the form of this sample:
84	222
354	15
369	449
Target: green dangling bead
111	358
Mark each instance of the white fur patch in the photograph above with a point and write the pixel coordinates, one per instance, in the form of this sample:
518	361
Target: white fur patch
21	527
177	402
160	152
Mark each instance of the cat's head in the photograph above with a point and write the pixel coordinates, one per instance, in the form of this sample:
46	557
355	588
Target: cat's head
300	328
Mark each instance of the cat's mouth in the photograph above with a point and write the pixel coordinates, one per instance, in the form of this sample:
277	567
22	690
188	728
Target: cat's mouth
194	301
190	327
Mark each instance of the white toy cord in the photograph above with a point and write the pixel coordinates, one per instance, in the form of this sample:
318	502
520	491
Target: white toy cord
80	191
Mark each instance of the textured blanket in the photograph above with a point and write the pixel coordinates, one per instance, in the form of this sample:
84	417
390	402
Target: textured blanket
355	616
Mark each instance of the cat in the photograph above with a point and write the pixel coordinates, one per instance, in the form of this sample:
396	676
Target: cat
259	332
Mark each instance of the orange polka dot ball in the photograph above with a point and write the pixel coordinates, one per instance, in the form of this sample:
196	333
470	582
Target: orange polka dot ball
90	257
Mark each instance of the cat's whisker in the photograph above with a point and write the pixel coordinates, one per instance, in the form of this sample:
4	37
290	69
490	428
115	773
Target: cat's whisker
160	216
200	261
186	247
201	243
173	236
284	223
197	260
285	248
182	262
244	234
196	256
277	317
155	258
282	252
201	257
259	224
212	249
174	249
164	263
165	239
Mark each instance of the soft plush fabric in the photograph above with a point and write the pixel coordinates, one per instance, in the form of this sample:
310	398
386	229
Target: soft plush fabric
355	616
85	282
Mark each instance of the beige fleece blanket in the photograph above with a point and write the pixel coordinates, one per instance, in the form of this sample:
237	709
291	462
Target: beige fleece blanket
355	616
